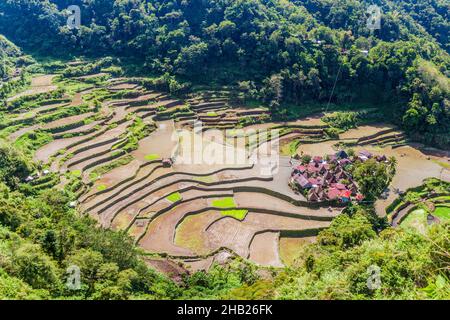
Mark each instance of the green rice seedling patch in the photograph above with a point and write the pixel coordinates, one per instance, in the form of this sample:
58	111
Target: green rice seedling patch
224	203
442	212
101	187
174	197
238	214
153	156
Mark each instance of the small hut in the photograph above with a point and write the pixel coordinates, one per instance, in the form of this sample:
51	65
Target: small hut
167	162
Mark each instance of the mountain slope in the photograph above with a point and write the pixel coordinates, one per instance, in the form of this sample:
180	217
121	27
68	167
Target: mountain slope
315	48
9	54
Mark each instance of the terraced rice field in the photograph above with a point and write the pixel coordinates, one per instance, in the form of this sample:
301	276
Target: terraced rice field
442	212
290	248
40	84
196	213
416	219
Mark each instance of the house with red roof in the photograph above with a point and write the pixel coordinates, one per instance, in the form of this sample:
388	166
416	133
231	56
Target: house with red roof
332	158
312	168
345	195
339	186
313	196
341	154
303	182
300	169
333	194
324	167
329	180
364	155
317	159
313	181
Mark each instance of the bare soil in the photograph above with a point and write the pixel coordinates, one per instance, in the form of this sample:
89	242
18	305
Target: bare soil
264	249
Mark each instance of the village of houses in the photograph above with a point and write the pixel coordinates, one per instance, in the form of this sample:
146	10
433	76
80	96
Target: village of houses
328	179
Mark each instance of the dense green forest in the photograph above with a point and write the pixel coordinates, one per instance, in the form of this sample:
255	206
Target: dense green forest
9	53
282	52
286	54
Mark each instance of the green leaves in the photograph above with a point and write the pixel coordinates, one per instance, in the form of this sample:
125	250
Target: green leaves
14	166
346	232
373	177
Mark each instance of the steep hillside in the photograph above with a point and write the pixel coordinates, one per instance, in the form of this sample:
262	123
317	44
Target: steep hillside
9	54
316	50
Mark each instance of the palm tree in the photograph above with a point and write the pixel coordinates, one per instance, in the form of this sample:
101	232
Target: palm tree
392	167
